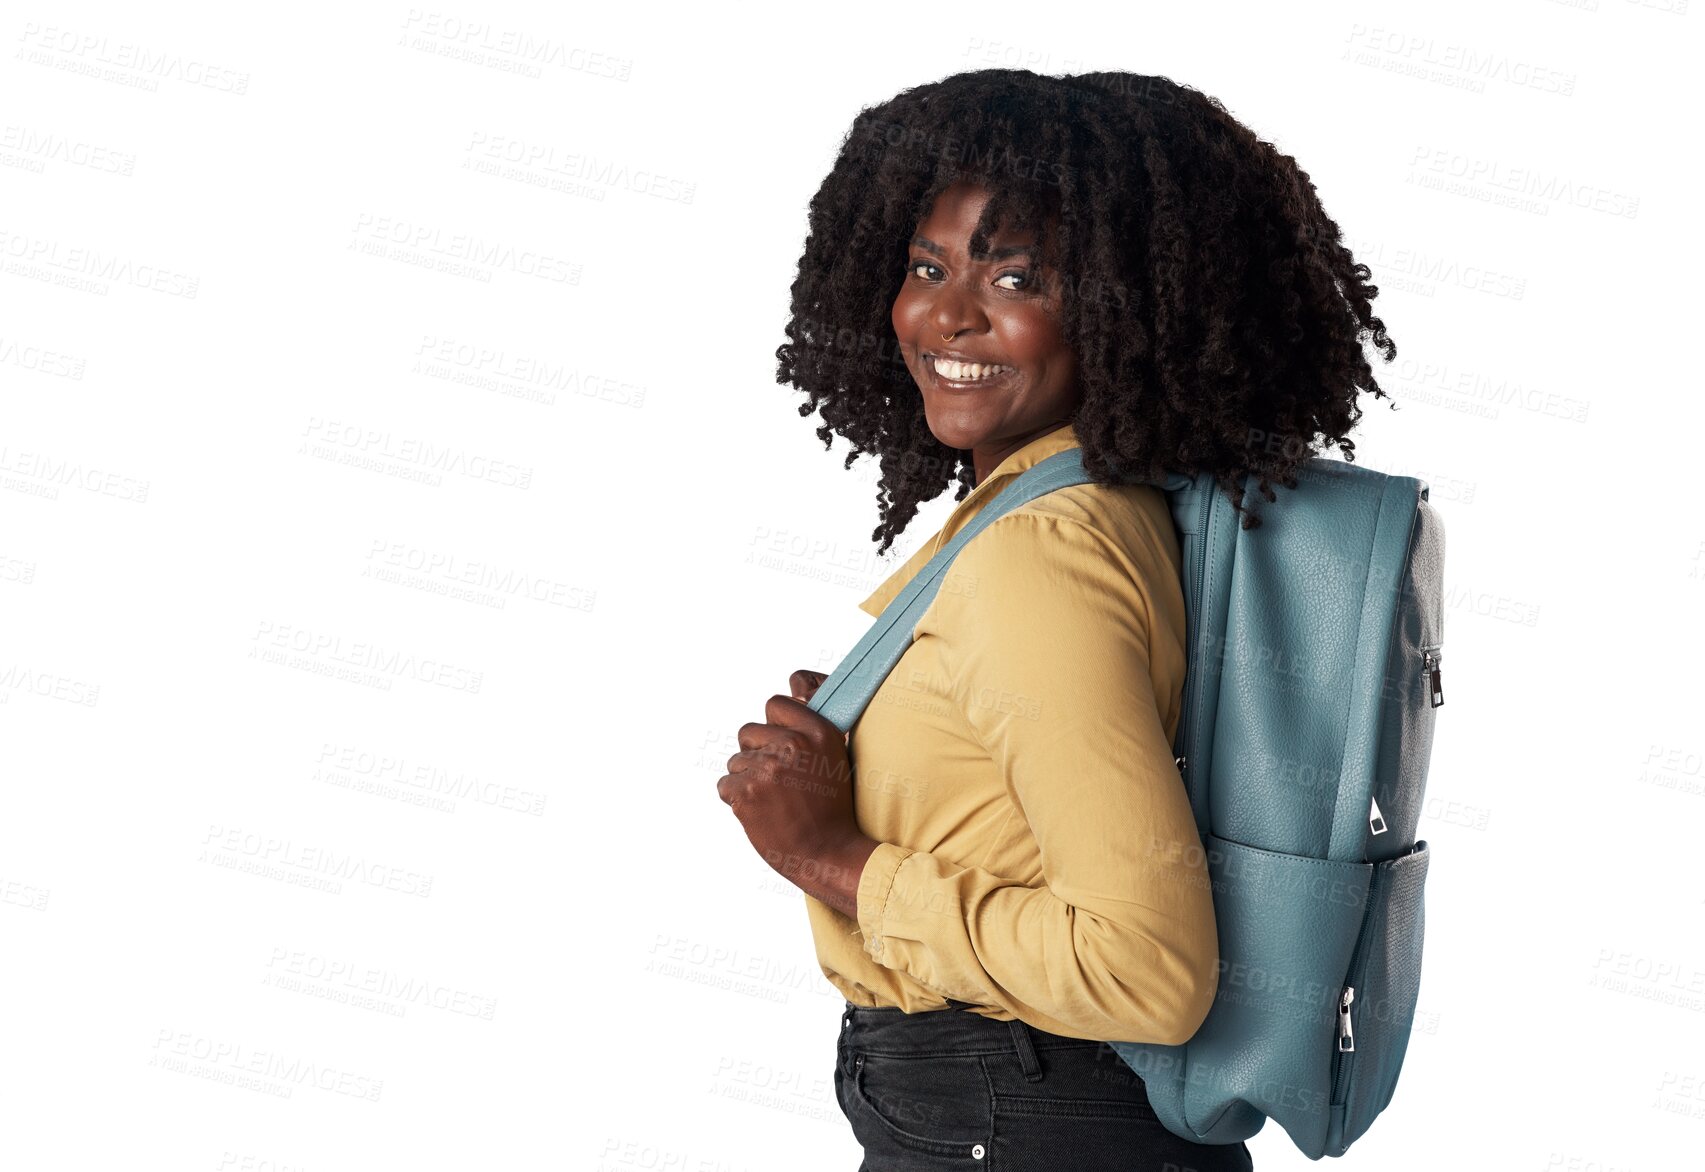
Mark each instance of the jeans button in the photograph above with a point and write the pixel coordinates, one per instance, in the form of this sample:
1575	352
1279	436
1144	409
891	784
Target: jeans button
976	1151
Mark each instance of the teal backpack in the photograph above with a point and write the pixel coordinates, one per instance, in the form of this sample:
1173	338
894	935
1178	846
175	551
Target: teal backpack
1309	698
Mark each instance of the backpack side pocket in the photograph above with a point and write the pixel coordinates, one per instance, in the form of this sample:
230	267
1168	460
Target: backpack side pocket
1385	980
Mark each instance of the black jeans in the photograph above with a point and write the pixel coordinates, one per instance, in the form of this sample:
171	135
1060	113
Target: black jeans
950	1089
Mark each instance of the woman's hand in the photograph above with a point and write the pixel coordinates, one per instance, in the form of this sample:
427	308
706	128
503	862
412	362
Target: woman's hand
791	787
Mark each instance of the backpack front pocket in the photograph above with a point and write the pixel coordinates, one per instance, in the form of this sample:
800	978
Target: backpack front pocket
1288	926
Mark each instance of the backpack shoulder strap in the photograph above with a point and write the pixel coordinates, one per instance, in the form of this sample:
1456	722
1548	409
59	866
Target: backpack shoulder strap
844	695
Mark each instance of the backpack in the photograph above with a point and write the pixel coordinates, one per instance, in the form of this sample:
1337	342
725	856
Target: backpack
1311	683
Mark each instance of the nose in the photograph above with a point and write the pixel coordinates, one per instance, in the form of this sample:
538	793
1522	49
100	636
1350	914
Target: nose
952	314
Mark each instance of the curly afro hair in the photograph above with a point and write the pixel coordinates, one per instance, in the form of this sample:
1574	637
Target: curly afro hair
1216	317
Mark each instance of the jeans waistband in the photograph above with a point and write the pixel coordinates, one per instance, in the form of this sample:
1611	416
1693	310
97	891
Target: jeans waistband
886	1030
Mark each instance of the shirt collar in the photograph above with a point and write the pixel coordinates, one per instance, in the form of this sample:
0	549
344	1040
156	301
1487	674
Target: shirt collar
1038	449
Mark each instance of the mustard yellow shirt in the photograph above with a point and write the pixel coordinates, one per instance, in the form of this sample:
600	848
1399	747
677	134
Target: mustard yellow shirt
1039	857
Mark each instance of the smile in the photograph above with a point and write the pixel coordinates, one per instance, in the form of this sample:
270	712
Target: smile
951	372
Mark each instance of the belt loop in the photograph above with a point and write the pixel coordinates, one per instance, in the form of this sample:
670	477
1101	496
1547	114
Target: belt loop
843	1056
1026	1052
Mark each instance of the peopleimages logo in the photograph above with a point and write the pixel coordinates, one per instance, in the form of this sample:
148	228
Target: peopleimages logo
134	64
185	1052
284	854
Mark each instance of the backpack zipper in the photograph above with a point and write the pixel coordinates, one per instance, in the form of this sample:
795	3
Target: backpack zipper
1344	1055
1346	1036
1430	657
1193	618
1346	1051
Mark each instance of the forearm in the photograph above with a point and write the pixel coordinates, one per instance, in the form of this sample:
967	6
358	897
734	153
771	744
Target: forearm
830	873
1087	967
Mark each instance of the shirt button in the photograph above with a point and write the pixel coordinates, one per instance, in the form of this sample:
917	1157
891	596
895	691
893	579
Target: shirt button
976	1151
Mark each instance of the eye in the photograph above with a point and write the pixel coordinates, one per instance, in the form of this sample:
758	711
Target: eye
913	266
1022	274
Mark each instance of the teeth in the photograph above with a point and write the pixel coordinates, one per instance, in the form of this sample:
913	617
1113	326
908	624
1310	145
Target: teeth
961	372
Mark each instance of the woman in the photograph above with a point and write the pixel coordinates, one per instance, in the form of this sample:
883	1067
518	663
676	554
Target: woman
1003	265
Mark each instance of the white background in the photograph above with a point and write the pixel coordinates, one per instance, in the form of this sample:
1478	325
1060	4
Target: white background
374	634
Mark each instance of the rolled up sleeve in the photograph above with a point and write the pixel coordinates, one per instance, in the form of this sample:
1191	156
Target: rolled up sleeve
1045	629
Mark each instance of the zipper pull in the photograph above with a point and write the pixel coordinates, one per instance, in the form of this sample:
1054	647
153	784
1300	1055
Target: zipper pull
1430	667
1346	1039
1376	820
1179	761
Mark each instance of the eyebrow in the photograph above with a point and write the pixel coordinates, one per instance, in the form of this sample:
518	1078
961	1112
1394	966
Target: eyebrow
1028	250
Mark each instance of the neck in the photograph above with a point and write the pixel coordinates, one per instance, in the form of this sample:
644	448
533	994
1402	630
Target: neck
986	460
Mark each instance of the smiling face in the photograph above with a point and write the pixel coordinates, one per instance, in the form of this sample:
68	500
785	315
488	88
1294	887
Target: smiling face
982	335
